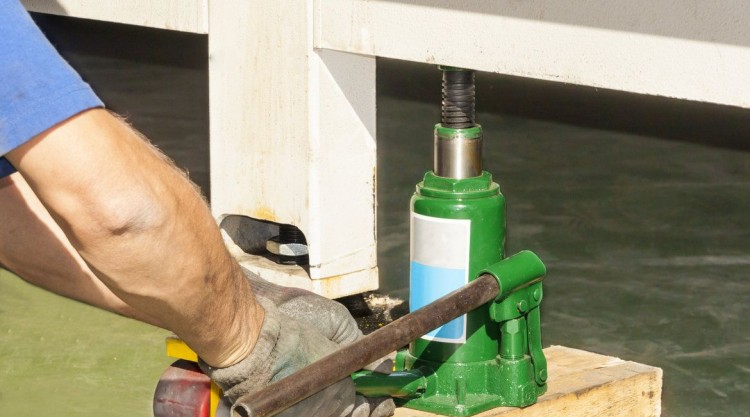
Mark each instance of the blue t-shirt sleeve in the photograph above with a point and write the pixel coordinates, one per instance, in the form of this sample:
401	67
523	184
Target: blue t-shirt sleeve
38	89
6	168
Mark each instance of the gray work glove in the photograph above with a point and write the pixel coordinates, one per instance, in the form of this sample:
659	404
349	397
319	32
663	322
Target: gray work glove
329	317
285	345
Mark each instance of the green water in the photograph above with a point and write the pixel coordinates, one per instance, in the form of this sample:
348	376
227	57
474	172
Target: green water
62	358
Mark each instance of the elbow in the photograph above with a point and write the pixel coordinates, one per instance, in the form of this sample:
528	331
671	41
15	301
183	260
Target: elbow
120	218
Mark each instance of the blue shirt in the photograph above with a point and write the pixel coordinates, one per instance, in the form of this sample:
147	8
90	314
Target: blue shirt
38	89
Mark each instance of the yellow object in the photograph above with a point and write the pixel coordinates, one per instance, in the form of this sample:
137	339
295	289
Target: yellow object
216	394
178	349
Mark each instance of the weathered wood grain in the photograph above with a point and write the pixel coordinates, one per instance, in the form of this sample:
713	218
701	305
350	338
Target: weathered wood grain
587	384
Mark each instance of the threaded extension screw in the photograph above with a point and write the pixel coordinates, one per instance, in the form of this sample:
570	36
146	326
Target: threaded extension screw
459	99
290	234
292	239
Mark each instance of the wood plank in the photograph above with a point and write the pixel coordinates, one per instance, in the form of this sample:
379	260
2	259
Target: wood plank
587	384
179	15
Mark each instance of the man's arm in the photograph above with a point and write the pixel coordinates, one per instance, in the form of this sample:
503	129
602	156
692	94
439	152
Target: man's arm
144	230
55	266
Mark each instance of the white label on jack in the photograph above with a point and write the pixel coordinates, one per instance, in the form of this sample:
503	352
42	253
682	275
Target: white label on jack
439	264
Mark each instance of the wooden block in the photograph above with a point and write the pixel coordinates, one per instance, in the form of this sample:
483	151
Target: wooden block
587	384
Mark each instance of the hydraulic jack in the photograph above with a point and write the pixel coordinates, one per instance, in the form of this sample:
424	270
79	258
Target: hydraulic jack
511	380
474	328
492	356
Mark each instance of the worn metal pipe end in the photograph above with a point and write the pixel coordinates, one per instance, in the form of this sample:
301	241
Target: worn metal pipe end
239	410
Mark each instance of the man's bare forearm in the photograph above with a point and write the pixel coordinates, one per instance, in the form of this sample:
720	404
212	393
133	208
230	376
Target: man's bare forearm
55	266
144	230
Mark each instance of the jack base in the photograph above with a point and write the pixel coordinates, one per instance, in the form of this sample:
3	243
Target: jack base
465	389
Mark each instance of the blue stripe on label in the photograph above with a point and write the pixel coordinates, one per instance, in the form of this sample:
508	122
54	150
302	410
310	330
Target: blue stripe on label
428	283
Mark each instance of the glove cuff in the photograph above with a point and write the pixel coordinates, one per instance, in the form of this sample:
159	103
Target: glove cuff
256	370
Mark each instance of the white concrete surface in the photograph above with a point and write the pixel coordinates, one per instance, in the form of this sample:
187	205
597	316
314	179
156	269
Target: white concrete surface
180	15
688	49
293	133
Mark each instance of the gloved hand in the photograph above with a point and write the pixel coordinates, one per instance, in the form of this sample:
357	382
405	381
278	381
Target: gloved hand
329	317
285	345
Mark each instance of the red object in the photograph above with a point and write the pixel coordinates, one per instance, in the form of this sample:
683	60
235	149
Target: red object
183	391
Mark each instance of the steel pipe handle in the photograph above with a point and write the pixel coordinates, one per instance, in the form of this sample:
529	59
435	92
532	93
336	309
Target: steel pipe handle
340	364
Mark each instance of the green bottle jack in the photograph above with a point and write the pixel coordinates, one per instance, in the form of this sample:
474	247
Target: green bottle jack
458	231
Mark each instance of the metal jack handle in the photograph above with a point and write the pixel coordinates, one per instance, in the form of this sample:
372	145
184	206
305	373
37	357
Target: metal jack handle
341	364
505	282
